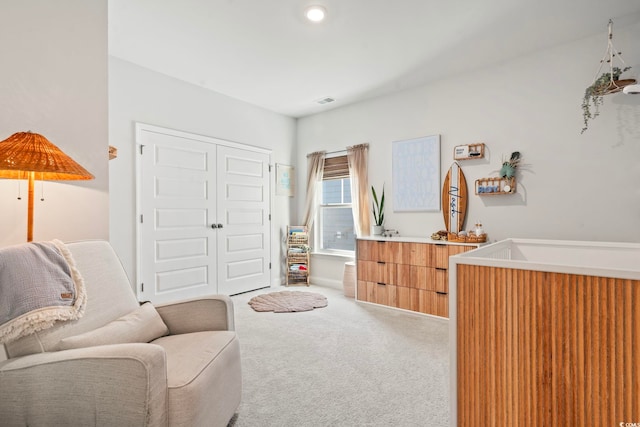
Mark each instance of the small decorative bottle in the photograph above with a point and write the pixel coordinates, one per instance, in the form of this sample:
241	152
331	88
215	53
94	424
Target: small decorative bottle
479	230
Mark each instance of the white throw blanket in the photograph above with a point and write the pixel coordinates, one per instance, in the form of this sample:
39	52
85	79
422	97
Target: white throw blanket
39	285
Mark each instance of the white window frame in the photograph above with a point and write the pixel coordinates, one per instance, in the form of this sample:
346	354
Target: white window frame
317	235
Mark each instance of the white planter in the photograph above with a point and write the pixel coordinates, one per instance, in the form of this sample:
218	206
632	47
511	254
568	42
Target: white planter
377	230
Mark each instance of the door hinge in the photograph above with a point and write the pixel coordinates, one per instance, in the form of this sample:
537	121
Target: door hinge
141	219
269	266
269	168
141	147
141	287
269	217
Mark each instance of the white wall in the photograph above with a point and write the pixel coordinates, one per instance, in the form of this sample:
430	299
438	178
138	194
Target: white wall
570	186
53	81
137	94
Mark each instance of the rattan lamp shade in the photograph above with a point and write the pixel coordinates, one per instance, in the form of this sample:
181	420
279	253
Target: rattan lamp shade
27	155
25	152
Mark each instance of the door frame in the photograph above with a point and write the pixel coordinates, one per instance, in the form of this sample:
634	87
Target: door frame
145	127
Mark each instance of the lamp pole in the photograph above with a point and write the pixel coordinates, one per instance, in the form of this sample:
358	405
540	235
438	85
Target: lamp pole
30	207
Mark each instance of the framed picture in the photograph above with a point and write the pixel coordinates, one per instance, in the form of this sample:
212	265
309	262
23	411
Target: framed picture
416	174
284	180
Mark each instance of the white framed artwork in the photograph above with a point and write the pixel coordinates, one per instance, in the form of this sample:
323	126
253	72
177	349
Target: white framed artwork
416	174
284	180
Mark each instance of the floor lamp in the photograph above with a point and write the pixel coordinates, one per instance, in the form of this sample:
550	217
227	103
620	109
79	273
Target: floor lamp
27	155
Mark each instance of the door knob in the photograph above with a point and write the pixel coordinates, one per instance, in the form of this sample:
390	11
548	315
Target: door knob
219	225
214	225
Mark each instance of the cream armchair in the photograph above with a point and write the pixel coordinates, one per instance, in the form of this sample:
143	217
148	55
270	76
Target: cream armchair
101	370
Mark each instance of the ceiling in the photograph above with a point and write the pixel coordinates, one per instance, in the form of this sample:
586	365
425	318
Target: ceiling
265	53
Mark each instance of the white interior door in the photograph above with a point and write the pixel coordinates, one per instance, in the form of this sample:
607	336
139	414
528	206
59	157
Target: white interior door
244	241
177	247
204	209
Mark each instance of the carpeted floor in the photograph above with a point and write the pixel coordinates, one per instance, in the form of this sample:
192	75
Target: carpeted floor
349	364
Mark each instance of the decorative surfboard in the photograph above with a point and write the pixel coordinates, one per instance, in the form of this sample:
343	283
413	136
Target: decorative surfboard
454	199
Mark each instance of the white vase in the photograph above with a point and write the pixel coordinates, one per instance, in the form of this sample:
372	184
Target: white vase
377	230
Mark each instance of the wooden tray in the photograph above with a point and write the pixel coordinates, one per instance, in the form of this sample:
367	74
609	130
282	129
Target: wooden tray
471	238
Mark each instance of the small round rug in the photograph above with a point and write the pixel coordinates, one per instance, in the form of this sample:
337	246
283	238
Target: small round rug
288	301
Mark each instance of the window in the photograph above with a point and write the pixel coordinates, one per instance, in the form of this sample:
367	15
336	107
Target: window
335	230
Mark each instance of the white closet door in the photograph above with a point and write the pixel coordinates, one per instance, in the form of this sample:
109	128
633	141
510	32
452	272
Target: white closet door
204	216
244	240
177	247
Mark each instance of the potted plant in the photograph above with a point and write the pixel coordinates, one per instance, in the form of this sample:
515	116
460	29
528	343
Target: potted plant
593	95
378	212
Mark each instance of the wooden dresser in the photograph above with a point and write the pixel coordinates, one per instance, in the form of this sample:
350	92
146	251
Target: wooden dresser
407	273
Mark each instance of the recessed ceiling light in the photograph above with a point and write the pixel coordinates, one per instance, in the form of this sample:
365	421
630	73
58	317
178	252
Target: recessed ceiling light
315	13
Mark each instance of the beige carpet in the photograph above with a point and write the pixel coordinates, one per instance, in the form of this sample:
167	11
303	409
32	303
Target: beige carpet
349	364
288	301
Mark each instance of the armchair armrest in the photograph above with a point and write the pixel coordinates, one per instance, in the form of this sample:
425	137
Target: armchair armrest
212	313
122	384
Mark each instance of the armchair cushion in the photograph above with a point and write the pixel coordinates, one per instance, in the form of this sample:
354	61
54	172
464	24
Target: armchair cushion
203	377
140	326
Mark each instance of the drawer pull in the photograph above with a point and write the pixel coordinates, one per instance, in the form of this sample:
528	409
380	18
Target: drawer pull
441	293
381	262
382	284
441	269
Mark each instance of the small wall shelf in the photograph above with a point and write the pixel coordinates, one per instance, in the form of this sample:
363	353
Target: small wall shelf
495	186
469	151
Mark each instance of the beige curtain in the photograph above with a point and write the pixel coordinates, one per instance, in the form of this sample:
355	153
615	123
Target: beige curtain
358	171
315	167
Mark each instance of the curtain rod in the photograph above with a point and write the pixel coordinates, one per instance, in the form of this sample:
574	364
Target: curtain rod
338	151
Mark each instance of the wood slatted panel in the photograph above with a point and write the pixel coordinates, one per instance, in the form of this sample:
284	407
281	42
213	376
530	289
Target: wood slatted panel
373	271
427	302
418	254
364	250
362	290
423	278
439	256
381	294
435	303
376	293
458	249
440	280
373	250
404	298
403	272
394	252
546	349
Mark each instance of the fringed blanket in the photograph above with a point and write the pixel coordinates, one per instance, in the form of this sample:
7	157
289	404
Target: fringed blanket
39	285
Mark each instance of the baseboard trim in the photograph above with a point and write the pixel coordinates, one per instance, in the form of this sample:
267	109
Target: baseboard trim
320	281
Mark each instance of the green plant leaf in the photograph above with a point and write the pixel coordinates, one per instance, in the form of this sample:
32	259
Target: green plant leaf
593	95
377	207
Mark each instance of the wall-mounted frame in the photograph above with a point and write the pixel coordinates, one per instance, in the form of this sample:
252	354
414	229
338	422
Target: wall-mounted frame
285	183
468	151
416	174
